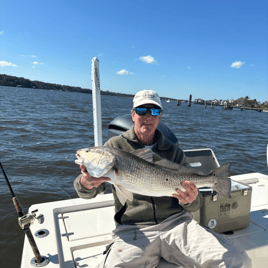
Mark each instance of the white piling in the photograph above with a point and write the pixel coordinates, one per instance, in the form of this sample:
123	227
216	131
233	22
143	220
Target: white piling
96	100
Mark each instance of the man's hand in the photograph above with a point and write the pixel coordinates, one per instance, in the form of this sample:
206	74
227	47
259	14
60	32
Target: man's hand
90	182
189	195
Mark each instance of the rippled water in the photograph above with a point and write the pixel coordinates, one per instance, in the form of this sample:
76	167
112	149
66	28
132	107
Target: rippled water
41	131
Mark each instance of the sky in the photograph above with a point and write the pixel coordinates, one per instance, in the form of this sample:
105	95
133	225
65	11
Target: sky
210	49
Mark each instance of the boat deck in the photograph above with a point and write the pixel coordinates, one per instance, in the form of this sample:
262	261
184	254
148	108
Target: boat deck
79	230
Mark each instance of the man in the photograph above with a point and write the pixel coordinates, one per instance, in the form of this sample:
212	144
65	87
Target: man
152	227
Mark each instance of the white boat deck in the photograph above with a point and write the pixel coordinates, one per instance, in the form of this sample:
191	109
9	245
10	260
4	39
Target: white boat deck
79	229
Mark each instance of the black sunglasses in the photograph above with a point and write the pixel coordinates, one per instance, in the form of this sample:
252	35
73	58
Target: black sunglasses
143	111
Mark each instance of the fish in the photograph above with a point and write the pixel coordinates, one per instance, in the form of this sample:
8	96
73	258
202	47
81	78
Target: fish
135	172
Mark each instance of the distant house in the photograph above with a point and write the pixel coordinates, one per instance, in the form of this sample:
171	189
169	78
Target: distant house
240	102
199	101
222	102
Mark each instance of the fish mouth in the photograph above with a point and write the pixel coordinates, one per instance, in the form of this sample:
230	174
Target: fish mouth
79	160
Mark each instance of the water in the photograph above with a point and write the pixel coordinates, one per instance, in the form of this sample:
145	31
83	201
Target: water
41	130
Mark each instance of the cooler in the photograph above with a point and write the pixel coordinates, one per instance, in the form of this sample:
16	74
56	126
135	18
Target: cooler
223	214
219	213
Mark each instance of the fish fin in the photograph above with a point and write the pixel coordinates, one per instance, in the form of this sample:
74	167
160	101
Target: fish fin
115	176
223	184
123	194
145	154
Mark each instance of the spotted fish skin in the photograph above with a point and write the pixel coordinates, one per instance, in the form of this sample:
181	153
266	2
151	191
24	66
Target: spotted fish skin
136	173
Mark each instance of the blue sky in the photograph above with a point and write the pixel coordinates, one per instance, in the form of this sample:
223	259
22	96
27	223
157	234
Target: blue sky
210	49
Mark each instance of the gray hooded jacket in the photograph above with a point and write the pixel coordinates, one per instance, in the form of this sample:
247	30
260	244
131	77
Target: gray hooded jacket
143	210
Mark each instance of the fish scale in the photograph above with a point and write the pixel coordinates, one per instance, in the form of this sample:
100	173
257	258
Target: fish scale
135	173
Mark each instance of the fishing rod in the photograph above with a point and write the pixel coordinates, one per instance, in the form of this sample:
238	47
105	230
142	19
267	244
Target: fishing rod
25	221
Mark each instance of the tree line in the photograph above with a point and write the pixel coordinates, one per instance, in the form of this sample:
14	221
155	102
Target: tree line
13	81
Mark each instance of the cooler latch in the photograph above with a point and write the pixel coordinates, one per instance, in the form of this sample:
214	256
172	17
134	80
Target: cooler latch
245	192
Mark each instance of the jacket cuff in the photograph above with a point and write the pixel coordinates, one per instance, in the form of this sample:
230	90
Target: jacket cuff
195	205
85	193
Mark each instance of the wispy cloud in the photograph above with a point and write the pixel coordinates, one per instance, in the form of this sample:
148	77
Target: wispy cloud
30	56
237	64
148	59
124	72
188	67
36	63
1	32
5	63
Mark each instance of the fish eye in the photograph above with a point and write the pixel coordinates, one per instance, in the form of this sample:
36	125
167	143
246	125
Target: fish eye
167	179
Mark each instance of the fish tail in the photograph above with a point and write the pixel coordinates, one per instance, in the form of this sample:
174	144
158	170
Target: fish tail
223	183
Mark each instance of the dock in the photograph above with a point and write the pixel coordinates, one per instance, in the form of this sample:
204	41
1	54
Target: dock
254	109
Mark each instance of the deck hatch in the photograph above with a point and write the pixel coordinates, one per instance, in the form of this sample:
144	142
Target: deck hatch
88	223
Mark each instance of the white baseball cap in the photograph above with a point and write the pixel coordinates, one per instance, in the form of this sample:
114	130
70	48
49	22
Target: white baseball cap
146	97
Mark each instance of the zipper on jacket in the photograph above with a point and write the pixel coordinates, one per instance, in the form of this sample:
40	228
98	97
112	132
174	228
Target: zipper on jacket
154	210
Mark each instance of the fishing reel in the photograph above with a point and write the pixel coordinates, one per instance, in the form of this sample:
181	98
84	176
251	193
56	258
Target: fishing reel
24	222
28	219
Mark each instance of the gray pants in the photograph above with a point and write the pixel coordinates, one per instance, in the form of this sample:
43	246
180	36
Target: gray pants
179	240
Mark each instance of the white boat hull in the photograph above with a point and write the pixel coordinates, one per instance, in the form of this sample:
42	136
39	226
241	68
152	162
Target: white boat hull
80	229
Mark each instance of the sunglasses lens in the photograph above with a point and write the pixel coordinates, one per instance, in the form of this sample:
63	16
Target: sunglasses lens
141	111
155	112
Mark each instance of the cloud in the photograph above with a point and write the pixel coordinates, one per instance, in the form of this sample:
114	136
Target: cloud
36	63
188	67
1	32
5	63
124	72
30	56
237	64
148	59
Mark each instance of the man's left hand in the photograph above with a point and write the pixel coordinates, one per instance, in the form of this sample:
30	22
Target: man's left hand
189	195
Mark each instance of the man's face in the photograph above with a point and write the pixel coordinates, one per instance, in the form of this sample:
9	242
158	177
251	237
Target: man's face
146	124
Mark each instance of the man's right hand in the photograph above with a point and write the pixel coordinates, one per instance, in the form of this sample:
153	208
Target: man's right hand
90	182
